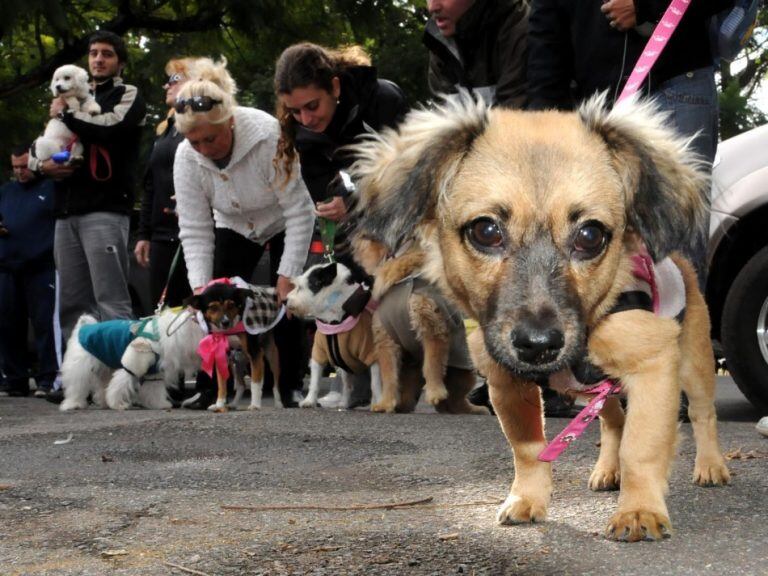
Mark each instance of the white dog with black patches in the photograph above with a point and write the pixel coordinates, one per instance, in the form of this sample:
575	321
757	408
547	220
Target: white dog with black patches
120	363
339	302
71	83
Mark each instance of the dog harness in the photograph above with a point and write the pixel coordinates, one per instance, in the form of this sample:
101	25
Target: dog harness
337	333
260	314
656	288
109	340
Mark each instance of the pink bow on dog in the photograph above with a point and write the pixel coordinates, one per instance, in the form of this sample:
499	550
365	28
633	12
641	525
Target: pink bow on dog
213	350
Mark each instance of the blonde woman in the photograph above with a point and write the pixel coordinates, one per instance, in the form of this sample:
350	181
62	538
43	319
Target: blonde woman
232	200
158	227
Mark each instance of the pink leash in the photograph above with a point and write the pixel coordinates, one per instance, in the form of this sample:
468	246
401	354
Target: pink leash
643	270
655	46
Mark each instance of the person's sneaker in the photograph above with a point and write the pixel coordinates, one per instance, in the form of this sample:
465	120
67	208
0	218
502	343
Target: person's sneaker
41	392
56	396
17	390
330	400
198	401
762	426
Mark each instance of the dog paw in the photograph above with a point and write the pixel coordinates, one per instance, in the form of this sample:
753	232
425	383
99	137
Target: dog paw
638	525
435	394
254	406
604	478
67	406
520	510
711	474
384	406
217	409
308	403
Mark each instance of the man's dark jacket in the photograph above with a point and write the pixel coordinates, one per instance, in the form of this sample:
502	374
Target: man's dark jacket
573	52
105	181
27	212
487	53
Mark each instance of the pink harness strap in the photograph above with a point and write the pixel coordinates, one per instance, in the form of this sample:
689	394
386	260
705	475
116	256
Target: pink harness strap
643	270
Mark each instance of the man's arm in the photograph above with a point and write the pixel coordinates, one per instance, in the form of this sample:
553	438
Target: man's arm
549	57
511	88
101	128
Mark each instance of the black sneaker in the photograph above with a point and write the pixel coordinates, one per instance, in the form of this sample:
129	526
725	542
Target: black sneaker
198	401
479	397
55	396
557	406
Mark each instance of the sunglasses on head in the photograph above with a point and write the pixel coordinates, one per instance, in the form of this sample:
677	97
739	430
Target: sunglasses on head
174	79
196	103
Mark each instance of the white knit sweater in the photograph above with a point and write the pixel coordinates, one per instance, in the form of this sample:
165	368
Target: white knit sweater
247	196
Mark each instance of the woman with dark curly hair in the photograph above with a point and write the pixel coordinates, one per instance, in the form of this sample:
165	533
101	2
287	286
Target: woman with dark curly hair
325	100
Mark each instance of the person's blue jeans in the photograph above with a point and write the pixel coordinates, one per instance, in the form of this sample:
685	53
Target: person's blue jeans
691	100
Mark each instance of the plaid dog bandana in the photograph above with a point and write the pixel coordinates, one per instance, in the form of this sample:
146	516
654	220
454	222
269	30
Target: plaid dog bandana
261	312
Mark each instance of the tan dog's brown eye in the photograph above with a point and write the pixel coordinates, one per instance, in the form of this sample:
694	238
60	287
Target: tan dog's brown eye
590	240
484	233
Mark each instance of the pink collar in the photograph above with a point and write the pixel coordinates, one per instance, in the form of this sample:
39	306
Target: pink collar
347	324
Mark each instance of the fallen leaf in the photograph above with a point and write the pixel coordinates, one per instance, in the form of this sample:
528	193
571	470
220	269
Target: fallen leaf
107	458
451	536
739	454
111	553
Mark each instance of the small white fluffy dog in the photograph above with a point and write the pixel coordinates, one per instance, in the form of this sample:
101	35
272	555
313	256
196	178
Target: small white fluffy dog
332	295
168	340
71	83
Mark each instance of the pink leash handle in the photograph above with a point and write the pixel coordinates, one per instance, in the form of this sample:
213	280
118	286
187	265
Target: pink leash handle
655	46
576	427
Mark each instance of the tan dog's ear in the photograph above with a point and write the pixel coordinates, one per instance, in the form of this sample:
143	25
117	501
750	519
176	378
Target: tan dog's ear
400	174
664	180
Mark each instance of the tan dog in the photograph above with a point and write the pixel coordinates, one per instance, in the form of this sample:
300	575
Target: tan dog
530	221
420	339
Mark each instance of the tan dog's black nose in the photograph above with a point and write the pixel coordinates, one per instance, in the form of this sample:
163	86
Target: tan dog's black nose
535	345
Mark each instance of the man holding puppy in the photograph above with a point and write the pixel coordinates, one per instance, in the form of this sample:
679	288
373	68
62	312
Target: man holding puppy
93	200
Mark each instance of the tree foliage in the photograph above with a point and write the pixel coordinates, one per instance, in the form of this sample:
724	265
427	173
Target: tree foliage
37	36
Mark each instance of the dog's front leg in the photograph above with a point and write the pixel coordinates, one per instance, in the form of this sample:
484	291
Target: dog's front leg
221	397
642	349
315	374
606	475
388	355
518	408
257	379
375	383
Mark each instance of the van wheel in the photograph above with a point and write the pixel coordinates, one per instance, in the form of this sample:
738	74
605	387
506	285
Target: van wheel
744	330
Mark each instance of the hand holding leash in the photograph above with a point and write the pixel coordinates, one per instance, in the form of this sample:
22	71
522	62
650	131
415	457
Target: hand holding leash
284	286
620	13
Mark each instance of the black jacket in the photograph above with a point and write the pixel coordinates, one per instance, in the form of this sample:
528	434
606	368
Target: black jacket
366	103
487	54
27	213
155	223
117	133
573	52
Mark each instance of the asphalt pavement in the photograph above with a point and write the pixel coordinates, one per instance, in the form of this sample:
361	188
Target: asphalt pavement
283	492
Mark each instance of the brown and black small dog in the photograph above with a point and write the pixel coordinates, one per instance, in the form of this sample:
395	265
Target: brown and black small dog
226	312
531	223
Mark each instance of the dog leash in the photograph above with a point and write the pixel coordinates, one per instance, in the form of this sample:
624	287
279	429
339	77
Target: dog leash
642	269
328	238
655	46
164	293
